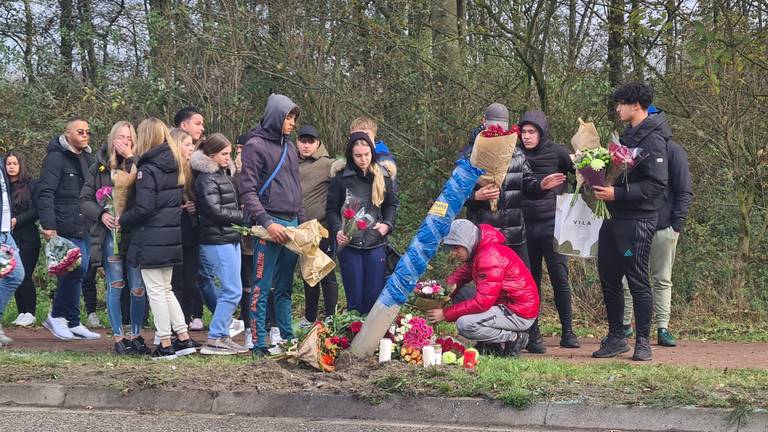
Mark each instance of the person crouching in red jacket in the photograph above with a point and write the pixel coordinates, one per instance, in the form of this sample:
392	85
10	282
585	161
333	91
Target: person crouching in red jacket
504	303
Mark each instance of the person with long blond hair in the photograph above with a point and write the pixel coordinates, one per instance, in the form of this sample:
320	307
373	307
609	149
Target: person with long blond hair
185	281
115	167
155	220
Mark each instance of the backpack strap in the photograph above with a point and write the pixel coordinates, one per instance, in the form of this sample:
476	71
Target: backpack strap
274	173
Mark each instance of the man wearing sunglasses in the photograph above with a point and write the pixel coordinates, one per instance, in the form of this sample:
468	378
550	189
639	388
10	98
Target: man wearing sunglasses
58	201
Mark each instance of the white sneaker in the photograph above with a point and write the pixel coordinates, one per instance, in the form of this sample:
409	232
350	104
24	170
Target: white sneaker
58	327
28	320
236	327
157	340
4	340
304	323
18	319
275	350
248	339
93	320
82	332
274	336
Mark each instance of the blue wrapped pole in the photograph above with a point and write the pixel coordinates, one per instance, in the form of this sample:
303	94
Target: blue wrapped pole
413	263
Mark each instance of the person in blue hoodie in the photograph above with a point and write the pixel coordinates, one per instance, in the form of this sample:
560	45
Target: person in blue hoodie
270	191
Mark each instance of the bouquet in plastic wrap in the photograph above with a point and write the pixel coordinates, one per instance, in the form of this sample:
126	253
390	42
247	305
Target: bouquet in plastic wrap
623	159
492	151
7	260
105	199
63	256
354	216
592	165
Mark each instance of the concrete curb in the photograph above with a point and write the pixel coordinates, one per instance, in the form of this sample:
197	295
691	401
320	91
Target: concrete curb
454	411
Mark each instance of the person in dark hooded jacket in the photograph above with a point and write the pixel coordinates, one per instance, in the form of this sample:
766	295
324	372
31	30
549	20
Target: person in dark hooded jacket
505	302
155	224
270	191
58	201
362	256
625	239
546	157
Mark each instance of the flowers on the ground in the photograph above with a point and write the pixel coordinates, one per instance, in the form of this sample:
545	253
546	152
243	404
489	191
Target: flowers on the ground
325	341
63	256
418	336
7	260
450	345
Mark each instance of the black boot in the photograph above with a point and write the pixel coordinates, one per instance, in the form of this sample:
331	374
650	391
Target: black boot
535	341
569	340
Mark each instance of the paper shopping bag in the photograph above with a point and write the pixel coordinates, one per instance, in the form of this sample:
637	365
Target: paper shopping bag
577	230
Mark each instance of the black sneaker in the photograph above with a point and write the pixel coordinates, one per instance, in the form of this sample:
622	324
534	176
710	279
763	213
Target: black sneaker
124	347
139	346
569	340
487	348
536	346
611	346
642	349
185	347
163	353
515	348
260	352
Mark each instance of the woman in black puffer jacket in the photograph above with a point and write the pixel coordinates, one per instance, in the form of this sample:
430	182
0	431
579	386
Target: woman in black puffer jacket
362	257
155	223
217	205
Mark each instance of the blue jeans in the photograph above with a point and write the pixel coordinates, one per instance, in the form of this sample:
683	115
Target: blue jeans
9	283
66	302
205	284
223	263
362	271
113	270
272	263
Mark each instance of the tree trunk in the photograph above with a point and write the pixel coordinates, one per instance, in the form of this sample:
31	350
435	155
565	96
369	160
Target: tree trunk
615	42
638	64
160	38
67	28
29	42
573	41
445	34
669	37
86	39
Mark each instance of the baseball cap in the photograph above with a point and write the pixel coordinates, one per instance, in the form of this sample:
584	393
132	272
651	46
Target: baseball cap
308	130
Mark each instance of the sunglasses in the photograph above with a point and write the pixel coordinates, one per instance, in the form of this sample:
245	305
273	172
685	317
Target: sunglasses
83	132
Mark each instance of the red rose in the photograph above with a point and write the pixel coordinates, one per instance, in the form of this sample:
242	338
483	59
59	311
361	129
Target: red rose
348	213
355	327
362	225
335	340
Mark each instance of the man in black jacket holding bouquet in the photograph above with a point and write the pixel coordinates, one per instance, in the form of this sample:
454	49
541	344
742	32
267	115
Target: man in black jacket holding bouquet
625	239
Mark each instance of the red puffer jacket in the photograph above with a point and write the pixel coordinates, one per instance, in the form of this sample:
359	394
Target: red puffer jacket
501	278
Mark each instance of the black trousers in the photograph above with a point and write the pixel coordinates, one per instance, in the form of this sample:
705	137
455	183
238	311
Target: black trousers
184	283
89	289
624	249
246	278
26	295
541	235
330	289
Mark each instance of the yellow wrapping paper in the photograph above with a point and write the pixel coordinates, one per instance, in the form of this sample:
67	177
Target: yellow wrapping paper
493	155
310	350
304	240
122	188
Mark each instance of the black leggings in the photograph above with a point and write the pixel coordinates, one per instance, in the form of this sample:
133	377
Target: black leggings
624	249
541	235
184	283
90	294
26	296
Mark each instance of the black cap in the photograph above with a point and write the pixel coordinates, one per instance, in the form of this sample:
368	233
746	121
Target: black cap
308	130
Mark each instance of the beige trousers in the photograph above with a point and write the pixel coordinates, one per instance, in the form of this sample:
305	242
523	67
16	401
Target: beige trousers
165	308
662	259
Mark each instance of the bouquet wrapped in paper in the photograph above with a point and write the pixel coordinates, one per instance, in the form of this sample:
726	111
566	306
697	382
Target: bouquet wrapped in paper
316	349
429	295
492	151
63	256
7	260
122	188
303	240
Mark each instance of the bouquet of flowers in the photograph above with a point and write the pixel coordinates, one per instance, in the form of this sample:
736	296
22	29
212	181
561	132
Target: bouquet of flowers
592	165
355	217
7	260
429	295
453	350
492	151
63	256
409	335
106	200
623	159
322	345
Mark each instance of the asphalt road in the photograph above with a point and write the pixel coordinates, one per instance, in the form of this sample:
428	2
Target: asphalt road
22	419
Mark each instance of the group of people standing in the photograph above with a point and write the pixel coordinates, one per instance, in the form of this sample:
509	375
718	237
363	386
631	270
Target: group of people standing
502	251
177	246
177	249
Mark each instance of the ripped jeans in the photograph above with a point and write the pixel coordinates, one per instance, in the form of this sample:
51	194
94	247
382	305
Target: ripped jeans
114	271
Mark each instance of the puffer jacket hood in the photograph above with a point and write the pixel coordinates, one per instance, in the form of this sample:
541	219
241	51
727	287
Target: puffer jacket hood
271	125
500	276
61	144
204	164
160	157
538	119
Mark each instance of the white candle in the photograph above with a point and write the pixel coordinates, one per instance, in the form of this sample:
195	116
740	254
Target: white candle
428	355
438	354
385	350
